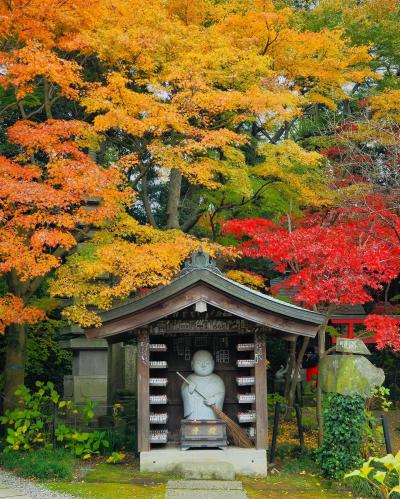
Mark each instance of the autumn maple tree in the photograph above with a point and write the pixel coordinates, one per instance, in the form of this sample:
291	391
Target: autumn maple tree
339	256
183	95
45	195
52	197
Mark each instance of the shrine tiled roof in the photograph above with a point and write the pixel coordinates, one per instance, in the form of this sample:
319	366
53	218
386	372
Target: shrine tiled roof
202	269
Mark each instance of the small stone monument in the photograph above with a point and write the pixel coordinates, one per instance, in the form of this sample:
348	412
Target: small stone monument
350	374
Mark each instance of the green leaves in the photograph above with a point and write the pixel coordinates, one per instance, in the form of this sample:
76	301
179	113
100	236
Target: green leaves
30	426
115	458
383	474
344	420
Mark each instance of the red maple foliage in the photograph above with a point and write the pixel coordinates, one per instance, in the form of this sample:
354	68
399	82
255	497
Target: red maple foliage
386	331
339	258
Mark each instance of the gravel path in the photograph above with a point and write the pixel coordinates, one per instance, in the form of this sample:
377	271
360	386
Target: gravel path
29	488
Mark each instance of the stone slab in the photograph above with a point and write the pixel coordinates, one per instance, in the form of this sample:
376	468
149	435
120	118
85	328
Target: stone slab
205	470
205	494
205	484
352	345
246	462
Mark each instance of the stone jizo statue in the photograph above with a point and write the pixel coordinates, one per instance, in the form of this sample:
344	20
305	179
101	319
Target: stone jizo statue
208	383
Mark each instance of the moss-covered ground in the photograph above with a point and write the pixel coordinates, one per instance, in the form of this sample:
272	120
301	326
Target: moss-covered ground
294	477
106	490
293	485
124	481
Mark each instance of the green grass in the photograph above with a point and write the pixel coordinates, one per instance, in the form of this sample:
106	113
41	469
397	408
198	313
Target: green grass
42	464
126	473
107	490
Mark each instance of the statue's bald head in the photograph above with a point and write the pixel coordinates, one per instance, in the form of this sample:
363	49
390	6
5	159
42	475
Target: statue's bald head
202	363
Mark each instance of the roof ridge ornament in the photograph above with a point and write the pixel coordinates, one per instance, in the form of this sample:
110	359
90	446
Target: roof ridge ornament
200	259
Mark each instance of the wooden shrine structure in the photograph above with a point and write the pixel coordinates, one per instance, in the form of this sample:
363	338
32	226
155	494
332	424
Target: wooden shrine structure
201	309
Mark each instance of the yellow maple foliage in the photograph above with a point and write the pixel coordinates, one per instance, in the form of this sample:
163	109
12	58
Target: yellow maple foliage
386	106
300	173
193	76
118	263
249	279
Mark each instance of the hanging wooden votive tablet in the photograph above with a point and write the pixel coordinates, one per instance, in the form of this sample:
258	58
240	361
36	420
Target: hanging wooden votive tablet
158	399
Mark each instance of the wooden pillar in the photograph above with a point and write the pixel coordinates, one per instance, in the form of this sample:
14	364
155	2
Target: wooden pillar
113	366
143	423
260	373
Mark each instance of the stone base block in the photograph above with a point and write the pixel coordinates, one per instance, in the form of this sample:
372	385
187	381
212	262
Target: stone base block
205	485
205	494
82	388
243	461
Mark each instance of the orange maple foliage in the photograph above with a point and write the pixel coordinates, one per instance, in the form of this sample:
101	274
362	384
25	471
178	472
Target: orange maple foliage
14	311
44	211
33	36
185	80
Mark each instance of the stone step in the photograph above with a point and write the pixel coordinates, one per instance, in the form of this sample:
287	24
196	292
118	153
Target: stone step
205	484
205	489
205	494
205	470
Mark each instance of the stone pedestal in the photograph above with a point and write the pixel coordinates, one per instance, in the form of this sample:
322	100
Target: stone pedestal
89	372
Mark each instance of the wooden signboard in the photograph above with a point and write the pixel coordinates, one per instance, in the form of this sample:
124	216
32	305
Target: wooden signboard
201	326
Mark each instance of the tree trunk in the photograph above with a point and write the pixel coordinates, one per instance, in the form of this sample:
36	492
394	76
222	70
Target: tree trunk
14	371
289	372
47	101
299	360
174	196
146	203
321	355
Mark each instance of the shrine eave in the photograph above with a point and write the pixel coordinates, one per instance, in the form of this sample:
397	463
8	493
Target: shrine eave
212	286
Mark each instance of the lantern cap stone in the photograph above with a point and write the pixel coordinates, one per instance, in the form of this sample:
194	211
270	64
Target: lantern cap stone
352	345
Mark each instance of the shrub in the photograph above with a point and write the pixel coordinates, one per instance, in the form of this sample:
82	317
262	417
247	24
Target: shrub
43	464
29	424
83	444
373	433
272	399
344	423
45	359
33	425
